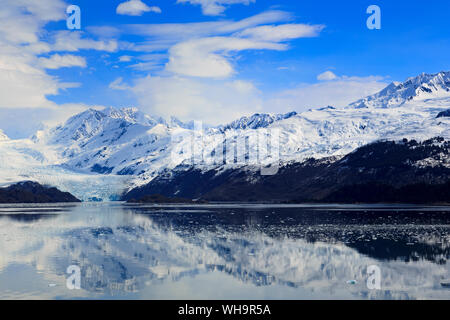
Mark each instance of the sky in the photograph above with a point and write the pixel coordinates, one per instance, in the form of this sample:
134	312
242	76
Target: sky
208	60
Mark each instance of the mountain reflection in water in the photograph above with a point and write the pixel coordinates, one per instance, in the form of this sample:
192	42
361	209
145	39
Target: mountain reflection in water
224	251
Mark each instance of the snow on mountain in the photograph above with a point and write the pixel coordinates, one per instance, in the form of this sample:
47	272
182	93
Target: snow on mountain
256	121
175	122
422	87
3	136
132	148
107	141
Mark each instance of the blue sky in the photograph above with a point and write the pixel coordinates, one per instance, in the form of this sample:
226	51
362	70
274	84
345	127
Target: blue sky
211	60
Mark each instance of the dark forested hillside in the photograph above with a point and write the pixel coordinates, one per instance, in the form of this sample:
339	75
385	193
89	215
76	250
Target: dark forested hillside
384	171
33	192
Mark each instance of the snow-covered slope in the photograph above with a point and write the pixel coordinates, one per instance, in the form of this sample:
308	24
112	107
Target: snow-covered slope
121	142
425	86
3	136
132	148
256	121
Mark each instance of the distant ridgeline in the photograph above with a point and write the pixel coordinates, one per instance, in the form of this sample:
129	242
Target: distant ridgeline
32	192
405	171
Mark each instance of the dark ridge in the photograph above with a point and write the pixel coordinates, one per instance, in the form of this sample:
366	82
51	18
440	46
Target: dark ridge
33	192
384	171
443	114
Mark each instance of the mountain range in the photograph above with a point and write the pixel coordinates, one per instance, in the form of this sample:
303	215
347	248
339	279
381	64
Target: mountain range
114	154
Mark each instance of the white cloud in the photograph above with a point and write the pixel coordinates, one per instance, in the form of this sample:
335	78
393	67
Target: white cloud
73	41
125	58
206	49
135	8
24	82
282	32
327	76
207	57
118	84
57	61
163	36
215	7
21	21
175	32
213	102
337	93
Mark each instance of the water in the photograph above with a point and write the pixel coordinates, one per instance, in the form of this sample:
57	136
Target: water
223	251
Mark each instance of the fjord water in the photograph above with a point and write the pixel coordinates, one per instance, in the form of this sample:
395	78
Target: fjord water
224	251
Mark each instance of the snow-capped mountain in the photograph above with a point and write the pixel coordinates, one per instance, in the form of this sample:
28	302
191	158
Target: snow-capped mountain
110	141
256	121
131	148
425	86
91	123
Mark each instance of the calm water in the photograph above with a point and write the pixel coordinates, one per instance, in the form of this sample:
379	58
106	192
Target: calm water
224	252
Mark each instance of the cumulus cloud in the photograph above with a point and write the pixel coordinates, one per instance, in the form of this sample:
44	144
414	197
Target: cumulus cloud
22	84
214	101
210	56
135	8
24	81
327	76
57	61
207	49
207	57
219	101
21	21
215	7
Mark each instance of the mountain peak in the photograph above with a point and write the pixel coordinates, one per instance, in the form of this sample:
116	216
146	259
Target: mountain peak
175	122
424	86
132	115
257	120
